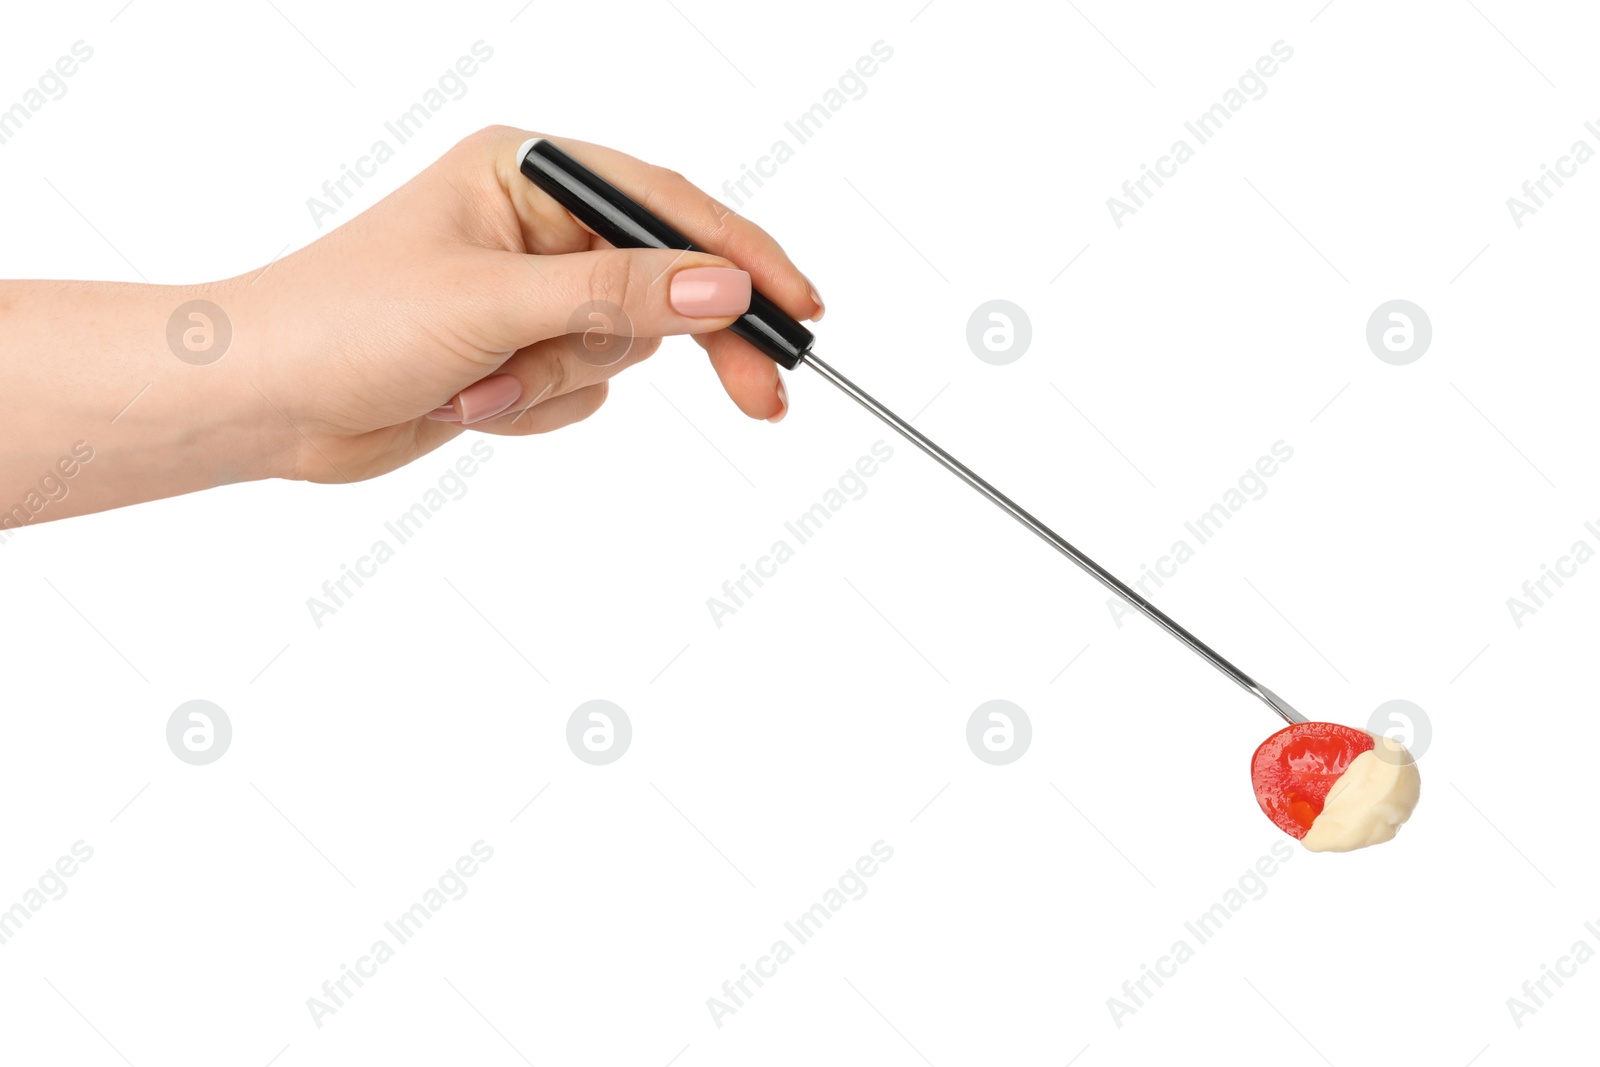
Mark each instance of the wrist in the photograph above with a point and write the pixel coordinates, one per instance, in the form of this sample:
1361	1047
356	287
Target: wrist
229	380
198	417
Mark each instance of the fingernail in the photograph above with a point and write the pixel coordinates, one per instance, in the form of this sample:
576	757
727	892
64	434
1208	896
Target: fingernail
816	298
488	398
447	413
710	292
783	398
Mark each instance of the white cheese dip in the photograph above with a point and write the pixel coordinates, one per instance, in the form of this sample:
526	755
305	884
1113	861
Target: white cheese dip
1368	802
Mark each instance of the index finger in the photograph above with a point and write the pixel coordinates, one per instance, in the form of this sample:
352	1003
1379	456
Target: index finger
700	217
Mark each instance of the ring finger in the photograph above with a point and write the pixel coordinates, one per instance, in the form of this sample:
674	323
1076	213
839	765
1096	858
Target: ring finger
554	367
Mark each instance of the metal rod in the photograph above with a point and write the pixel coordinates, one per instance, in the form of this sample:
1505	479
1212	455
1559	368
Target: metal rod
1054	540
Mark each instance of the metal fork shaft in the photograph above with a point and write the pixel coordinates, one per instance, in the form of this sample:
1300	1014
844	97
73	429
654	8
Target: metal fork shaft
1279	706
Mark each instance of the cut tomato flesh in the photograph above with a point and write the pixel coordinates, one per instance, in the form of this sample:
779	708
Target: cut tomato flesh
1295	767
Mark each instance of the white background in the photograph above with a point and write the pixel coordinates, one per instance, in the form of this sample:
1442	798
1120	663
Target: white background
830	712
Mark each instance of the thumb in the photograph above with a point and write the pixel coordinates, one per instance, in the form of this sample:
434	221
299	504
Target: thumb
632	292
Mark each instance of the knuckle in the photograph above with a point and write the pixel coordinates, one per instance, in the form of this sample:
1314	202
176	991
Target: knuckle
557	377
615	280
480	138
502	132
666	175
658	184
721	216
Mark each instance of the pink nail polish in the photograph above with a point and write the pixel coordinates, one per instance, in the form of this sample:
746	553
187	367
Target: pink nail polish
710	292
488	398
783	398
446	413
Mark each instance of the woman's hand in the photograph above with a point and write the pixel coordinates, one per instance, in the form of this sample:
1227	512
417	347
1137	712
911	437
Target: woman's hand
469	298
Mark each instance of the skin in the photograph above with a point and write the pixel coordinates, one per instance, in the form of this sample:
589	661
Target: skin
341	350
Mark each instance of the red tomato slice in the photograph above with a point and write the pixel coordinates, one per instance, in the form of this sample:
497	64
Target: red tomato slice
1295	767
